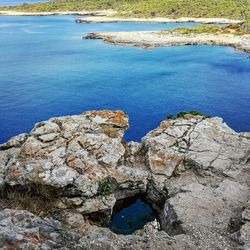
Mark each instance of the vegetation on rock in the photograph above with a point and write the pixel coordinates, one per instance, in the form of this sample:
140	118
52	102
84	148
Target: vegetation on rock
35	198
183	113
104	188
208	29
246	26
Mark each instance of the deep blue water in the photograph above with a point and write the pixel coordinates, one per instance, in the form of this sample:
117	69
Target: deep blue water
132	217
47	70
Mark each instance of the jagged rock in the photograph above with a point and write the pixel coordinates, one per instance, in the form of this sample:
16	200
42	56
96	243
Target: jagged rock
242	236
75	153
207	145
58	151
194	171
97	238
23	230
103	204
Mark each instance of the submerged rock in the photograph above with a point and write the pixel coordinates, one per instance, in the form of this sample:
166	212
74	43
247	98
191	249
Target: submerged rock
194	171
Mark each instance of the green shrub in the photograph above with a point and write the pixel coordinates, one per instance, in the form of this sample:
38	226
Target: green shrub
183	113
170	117
209	29
192	112
104	187
245	27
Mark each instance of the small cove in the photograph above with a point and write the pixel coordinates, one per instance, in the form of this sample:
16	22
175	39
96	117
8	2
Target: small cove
47	70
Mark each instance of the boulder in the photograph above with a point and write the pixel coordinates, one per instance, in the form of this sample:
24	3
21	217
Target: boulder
80	156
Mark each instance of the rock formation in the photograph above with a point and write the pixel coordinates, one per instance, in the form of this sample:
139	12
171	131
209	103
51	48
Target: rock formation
194	171
152	39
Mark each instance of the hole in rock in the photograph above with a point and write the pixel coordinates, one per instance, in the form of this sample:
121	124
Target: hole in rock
130	214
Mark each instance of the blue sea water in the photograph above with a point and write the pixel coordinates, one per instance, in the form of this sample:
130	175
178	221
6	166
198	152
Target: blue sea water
47	70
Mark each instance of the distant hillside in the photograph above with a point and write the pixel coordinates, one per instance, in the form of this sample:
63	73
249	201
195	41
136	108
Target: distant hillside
146	8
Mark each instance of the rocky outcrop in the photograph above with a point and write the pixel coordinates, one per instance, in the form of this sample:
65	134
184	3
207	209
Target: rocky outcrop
194	171
152	39
79	157
206	145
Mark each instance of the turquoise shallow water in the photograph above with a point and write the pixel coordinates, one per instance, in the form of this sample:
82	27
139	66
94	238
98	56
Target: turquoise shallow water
47	70
17	2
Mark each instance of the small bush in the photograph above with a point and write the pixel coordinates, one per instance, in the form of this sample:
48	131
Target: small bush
235	29
104	187
170	117
183	113
192	112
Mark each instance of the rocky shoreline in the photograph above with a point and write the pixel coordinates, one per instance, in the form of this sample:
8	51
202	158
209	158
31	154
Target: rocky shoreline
54	13
107	16
193	170
152	39
109	19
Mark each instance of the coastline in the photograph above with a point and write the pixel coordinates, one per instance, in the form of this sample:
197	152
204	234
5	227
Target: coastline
108	19
152	39
105	16
54	13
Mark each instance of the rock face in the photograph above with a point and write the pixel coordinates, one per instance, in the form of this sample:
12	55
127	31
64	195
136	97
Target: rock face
208	146
243	235
58	151
194	171
74	156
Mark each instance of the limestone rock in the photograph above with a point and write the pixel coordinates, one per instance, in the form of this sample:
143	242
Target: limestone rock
57	152
23	230
243	235
205	144
194	171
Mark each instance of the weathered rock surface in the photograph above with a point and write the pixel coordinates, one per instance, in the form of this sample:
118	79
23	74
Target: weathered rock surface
243	235
23	230
208	146
152	39
194	171
74	155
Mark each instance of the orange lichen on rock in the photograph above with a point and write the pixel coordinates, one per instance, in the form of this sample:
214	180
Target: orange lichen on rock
116	117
